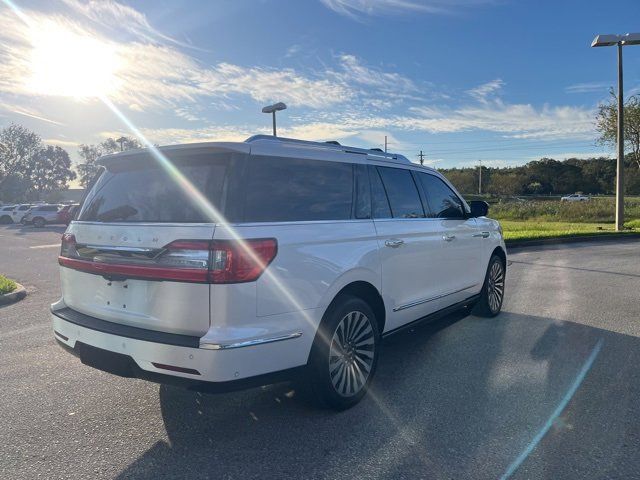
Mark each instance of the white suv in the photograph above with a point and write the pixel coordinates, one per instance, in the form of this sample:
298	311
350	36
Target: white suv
219	266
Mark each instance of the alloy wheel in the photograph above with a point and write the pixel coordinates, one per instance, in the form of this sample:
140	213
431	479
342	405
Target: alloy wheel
495	286
351	354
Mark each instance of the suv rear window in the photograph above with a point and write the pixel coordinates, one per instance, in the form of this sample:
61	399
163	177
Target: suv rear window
142	191
290	189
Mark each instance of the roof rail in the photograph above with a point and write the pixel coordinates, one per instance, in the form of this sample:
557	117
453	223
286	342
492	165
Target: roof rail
332	146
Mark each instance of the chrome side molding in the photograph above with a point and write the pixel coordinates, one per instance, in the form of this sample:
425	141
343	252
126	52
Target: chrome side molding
249	343
431	299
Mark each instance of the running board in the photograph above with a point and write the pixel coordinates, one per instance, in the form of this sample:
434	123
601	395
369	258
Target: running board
433	316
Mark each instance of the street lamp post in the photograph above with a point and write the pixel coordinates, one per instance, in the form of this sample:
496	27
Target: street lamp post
619	41
276	107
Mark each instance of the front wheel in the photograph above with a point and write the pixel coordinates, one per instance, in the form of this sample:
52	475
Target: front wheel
344	355
492	294
39	222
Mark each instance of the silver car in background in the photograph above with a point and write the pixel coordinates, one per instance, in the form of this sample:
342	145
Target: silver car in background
19	212
40	215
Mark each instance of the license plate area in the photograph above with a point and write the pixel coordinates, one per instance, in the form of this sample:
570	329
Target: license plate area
110	362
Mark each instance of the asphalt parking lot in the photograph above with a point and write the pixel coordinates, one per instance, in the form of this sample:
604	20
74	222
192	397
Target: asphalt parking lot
549	389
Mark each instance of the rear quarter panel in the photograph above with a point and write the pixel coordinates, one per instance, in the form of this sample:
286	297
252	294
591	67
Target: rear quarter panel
314	261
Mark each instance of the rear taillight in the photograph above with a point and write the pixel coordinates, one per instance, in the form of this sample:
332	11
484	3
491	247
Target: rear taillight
201	261
240	261
68	245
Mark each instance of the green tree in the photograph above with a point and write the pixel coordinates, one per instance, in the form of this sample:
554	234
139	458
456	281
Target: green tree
464	179
508	182
90	153
49	170
607	124
18	147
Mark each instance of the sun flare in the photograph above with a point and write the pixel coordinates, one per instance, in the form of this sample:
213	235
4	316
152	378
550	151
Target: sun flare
71	64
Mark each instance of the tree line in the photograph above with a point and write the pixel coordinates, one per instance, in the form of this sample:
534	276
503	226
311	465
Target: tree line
31	170
548	177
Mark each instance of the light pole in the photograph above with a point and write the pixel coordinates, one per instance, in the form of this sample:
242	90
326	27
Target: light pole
480	179
619	41
276	107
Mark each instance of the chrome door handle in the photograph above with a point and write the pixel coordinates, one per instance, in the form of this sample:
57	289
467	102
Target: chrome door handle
448	238
393	242
482	234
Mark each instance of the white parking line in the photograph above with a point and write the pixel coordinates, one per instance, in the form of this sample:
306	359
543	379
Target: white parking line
47	246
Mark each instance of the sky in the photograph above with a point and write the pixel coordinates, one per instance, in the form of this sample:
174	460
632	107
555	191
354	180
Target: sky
498	81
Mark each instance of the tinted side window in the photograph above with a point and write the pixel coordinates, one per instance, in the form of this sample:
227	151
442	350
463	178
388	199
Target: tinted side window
379	202
363	192
444	203
291	189
402	192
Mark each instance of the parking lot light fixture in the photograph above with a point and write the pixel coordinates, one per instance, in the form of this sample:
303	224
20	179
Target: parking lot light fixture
619	41
276	107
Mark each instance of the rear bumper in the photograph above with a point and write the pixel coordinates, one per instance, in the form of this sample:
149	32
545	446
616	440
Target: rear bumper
200	369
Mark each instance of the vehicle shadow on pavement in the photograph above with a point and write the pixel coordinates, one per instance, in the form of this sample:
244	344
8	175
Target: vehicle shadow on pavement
453	399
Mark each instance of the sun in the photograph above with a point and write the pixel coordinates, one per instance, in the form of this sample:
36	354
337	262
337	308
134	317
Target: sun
64	62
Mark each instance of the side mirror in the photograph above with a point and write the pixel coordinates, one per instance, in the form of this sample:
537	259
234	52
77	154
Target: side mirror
479	208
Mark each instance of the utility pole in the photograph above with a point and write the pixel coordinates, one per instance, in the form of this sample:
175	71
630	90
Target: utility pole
385	144
421	156
619	41
620	163
480	179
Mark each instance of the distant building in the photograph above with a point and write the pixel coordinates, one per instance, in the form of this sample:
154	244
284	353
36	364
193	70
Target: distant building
71	195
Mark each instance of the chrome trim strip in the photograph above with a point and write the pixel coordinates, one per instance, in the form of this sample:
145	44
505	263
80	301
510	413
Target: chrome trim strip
426	300
249	343
108	248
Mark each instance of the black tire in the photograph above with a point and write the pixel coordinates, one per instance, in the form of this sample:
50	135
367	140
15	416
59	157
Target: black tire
338	368
39	222
5	220
492	294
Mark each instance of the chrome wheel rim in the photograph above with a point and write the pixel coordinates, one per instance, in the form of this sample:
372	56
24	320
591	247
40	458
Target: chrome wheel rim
495	287
351	354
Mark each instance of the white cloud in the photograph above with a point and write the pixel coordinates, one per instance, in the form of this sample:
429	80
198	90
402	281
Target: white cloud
27	112
292	50
116	16
513	120
482	92
590	87
353	8
355	71
167	136
566	155
60	143
151	74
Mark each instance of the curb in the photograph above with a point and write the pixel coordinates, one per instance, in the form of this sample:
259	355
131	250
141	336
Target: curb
577	239
18	294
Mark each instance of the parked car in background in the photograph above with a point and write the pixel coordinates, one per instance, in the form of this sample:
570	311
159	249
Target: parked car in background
66	213
5	214
575	197
19	211
295	258
40	215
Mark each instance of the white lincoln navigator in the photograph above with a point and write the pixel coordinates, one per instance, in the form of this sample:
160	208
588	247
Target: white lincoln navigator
220	266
